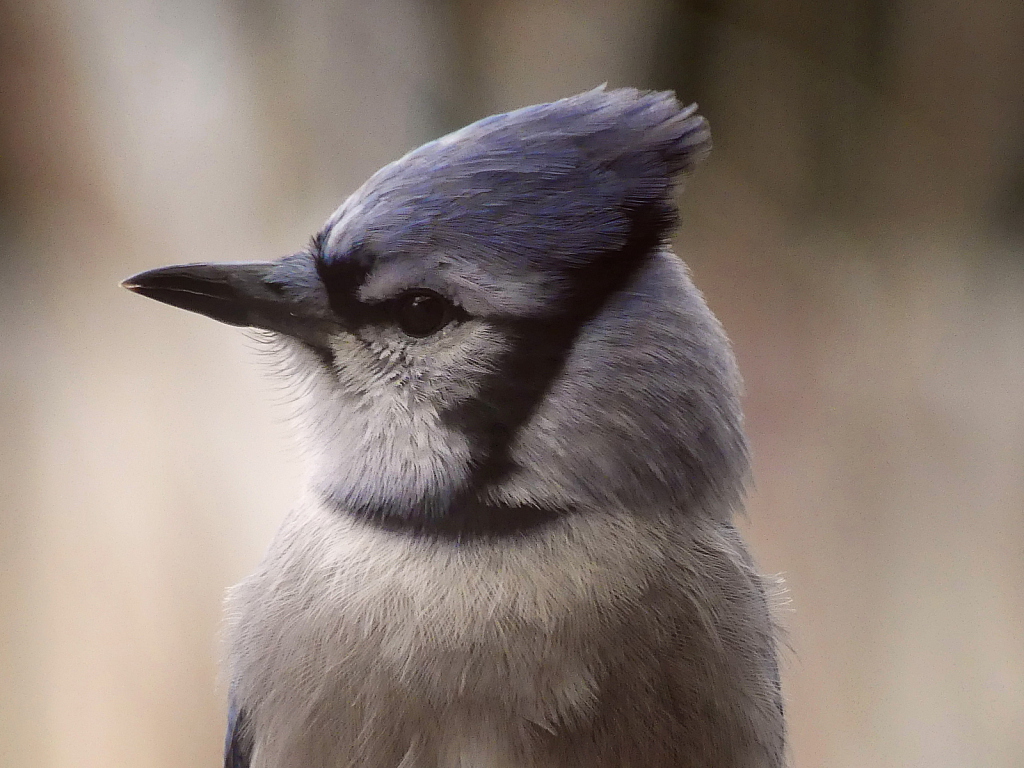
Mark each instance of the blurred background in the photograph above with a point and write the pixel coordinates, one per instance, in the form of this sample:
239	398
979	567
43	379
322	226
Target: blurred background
859	229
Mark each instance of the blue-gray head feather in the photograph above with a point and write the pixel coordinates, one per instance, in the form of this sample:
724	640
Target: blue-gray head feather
512	208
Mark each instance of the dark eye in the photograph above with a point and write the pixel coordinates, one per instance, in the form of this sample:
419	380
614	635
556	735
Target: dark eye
422	313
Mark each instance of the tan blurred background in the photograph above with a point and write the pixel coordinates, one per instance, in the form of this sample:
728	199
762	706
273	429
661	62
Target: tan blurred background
859	230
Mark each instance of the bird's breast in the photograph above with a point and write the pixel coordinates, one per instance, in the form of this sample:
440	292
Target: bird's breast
349	627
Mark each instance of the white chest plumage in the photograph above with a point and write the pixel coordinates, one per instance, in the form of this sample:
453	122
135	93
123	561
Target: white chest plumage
447	649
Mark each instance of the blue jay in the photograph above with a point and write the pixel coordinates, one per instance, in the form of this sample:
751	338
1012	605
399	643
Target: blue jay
524	445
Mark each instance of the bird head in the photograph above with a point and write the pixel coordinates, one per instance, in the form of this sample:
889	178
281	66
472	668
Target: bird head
492	332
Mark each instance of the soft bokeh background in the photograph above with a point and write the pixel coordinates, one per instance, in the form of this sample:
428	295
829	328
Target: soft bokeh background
859	229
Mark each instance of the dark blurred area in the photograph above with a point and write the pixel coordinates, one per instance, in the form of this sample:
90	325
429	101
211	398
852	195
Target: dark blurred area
859	229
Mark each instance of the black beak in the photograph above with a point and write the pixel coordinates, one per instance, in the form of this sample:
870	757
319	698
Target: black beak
247	294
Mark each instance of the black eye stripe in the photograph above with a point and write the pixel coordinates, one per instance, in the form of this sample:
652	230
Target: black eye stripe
418	312
341	277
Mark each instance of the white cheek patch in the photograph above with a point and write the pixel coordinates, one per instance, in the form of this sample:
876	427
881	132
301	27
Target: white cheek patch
374	440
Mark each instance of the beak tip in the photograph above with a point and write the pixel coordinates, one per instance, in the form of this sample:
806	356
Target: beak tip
134	283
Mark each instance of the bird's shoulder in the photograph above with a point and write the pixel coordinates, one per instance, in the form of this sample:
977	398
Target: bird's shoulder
694	670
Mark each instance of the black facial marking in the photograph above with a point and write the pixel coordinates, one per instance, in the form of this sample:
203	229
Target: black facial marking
540	348
472	520
418	313
342	276
326	357
510	395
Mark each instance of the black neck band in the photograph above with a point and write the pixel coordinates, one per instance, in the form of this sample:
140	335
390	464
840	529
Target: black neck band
468	520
